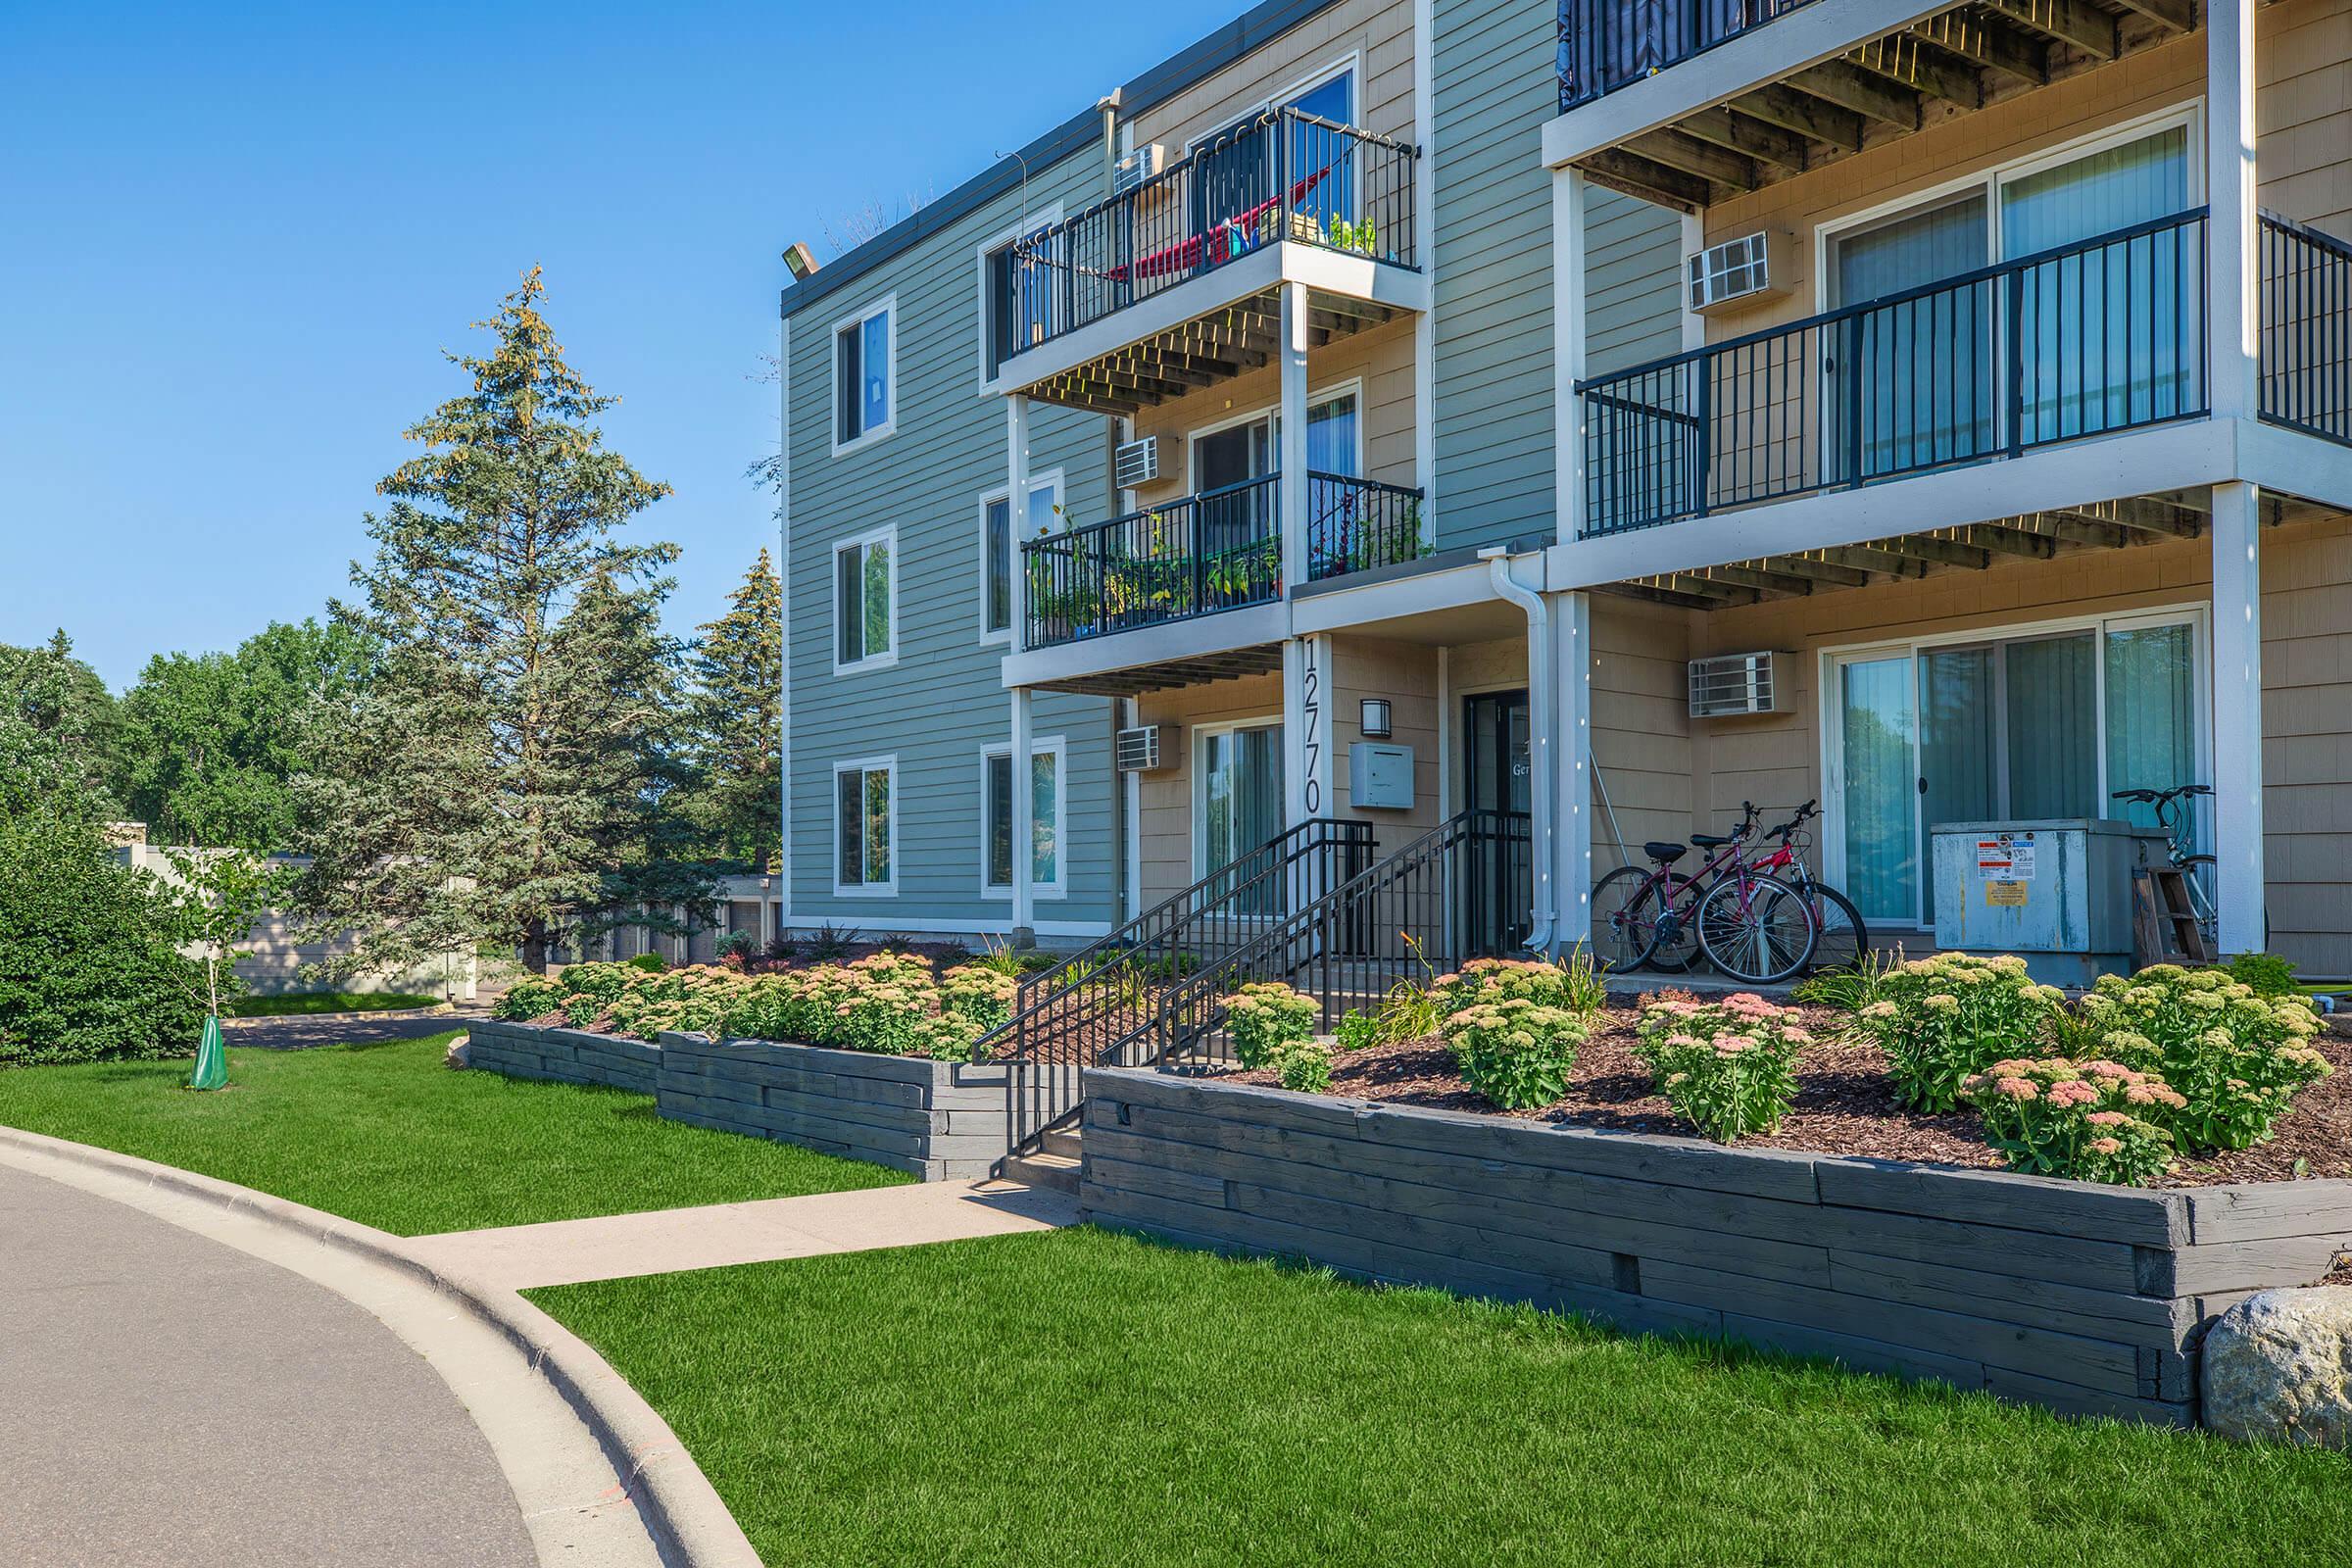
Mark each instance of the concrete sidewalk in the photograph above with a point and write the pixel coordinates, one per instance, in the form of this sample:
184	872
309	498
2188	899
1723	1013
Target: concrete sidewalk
665	1241
174	1402
299	1032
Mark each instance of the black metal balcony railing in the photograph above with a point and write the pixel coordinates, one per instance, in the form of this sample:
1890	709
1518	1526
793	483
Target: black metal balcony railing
1608	44
2306	380
2105	336
1219	550
1283	174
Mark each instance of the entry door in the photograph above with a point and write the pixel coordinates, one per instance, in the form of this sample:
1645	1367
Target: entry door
1498	781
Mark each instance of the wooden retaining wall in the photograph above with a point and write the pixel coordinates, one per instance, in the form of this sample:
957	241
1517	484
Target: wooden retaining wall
940	1120
569	1055
2090	1299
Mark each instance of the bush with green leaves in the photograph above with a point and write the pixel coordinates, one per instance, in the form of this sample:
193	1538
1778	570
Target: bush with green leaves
1941	1018
1516	1051
1570	984
2093	1121
1264	1016
2267	973
1303	1066
1358	1031
2235	1057
90	968
1728	1067
650	962
981	992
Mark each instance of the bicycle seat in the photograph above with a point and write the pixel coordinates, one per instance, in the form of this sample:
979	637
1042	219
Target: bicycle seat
1663	852
1712	841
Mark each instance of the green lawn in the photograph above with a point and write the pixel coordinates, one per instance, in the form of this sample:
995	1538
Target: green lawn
1081	1397
385	1135
311	1001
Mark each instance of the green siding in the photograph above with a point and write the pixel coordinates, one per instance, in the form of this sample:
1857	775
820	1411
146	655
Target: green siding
942	703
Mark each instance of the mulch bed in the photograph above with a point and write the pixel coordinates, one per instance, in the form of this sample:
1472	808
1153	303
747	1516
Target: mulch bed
1844	1105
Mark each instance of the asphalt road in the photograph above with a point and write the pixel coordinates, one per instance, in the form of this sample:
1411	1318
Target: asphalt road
168	1401
301	1034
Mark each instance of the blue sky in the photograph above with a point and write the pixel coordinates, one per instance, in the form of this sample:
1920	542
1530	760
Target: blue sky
234	239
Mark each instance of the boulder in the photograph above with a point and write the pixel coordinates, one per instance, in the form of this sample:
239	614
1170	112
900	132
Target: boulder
2279	1368
460	1052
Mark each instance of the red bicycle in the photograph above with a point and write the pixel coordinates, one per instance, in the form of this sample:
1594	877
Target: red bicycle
1750	924
1843	937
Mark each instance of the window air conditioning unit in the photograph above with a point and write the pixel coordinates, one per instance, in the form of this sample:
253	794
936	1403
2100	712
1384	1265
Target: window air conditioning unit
1139	749
1732	685
1137	167
1741	272
1136	462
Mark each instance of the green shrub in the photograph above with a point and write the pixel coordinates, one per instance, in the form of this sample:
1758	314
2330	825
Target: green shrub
1264	1016
602	981
2089	1120
89	967
1358	1031
1516	1051
979	993
2235	1057
2269	975
526	1000
650	962
1571	985
1941	1018
1728	1067
1303	1066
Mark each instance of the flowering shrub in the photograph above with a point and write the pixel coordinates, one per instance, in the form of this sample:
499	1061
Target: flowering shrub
1303	1066
1941	1018
887	1003
1516	1051
1264	1017
1729	1067
2237	1057
1570	985
2089	1120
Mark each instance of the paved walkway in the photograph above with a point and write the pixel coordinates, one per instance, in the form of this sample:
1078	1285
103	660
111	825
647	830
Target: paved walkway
332	1029
174	1402
573	1250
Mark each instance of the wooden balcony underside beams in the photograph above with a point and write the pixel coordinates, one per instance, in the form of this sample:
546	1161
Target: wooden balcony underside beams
1217	346
1896	84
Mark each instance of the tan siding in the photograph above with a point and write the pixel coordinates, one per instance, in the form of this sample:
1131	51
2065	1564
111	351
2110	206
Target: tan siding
1166	819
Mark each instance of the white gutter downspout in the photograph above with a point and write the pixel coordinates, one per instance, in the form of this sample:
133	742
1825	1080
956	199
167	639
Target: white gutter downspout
1540	734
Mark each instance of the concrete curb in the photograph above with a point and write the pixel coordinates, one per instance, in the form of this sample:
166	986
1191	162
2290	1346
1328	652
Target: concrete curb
444	1009
682	1511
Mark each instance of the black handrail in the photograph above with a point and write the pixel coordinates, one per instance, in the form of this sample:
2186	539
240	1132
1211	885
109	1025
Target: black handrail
2101	335
1608	44
1356	524
2306	329
1281	174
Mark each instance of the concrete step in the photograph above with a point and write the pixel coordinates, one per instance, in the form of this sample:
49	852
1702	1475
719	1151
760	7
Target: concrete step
1062	1141
1056	1171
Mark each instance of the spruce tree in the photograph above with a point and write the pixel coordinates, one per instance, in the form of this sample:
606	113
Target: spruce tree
501	779
738	719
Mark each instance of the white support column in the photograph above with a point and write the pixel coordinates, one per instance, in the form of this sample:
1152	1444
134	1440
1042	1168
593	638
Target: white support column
1024	829
1016	511
1305	729
1568	349
1131	791
2233	264
1572	769
2237	846
1291	458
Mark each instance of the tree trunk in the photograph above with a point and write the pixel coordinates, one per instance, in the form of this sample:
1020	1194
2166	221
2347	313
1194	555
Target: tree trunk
534	946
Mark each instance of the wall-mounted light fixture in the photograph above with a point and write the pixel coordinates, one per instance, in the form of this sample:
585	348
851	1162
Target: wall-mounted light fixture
1375	718
801	260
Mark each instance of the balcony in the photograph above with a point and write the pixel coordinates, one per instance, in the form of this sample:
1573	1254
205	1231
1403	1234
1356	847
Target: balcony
1120	307
2306	381
2090	340
1606	44
1216	550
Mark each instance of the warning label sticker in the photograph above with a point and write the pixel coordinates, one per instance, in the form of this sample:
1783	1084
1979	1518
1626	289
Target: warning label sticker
2005	894
2005	858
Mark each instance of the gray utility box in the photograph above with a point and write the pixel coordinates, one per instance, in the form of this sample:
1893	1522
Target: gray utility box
1380	776
2056	892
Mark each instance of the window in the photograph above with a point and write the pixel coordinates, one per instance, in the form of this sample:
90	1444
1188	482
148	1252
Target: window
1016	308
997	546
866	823
865	601
864	376
1045	792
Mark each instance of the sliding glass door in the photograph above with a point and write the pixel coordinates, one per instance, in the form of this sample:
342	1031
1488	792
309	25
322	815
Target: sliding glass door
2018	729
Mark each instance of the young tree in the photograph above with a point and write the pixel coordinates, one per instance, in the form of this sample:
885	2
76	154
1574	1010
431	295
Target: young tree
207	746
224	894
494	781
737	721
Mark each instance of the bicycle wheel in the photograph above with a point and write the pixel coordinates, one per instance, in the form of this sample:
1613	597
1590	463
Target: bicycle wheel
1759	930
2203	874
1843	936
1624	924
1677	945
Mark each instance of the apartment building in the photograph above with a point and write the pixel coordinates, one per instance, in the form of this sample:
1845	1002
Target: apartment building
1094	324
1408	398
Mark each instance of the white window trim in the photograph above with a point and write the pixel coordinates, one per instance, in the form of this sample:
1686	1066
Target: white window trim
890	387
889	766
1314	395
1045	217
1057	747
888	536
2196	614
1338	66
1198	784
1049	478
1989	179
